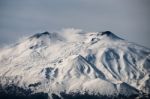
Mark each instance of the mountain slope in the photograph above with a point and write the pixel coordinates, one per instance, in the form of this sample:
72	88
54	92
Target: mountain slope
94	63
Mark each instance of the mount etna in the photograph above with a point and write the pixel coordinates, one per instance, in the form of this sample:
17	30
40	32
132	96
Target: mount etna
73	64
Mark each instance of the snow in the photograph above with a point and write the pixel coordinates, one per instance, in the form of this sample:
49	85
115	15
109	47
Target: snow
76	61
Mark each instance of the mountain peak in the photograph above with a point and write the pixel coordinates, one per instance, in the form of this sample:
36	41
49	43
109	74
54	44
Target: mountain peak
110	35
38	35
106	33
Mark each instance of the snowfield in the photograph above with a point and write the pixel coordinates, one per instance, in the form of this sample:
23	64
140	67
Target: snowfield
73	61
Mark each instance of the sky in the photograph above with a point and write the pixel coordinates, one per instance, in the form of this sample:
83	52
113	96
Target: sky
129	19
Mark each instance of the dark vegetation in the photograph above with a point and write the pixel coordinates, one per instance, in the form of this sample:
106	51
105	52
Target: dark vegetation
14	92
87	96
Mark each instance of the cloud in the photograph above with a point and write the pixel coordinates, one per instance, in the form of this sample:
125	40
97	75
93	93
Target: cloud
71	34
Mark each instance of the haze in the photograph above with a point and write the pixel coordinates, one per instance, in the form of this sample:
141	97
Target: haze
128	19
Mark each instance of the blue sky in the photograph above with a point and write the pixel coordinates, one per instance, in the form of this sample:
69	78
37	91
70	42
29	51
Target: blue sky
128	19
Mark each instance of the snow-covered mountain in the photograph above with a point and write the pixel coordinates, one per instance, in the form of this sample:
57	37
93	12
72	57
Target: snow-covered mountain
76	62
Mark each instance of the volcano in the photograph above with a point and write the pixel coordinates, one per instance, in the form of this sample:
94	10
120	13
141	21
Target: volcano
75	64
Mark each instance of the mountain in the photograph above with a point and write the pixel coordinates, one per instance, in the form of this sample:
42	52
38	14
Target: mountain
75	64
